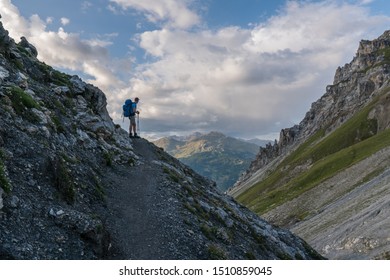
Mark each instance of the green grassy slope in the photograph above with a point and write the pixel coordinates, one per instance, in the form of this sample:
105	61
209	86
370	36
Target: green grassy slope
318	159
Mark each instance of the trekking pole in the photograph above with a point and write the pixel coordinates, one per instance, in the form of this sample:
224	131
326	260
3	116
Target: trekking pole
138	125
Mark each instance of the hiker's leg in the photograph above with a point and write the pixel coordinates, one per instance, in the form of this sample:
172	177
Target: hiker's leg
132	124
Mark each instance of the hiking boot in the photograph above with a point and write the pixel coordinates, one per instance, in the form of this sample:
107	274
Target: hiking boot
136	136
131	135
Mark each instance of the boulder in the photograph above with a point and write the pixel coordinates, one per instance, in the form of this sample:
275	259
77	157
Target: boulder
28	47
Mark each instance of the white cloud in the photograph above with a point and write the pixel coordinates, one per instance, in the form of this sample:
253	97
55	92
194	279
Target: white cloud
365	2
65	21
311	26
173	12
85	5
113	9
49	20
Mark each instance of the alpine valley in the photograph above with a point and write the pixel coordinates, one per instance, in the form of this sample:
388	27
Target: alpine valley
328	178
213	155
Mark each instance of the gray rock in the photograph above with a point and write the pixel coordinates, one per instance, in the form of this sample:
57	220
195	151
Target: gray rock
81	104
61	89
205	206
3	74
78	85
29	47
43	119
14	201
21	79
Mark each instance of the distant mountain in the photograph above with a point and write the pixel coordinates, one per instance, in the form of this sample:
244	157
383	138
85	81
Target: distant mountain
214	155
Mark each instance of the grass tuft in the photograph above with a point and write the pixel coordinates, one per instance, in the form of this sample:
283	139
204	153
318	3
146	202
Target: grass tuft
63	180
21	100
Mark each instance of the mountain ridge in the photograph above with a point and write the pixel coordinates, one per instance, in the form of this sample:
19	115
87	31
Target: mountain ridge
339	148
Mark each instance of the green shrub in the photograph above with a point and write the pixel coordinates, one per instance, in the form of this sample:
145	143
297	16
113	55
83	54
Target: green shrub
23	50
57	123
216	253
4	181
108	157
99	188
386	53
60	78
62	180
21	101
250	255
172	174
209	232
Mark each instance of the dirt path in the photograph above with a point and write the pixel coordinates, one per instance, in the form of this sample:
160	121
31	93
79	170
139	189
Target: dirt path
135	197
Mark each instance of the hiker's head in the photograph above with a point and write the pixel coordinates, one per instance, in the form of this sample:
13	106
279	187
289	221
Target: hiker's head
136	99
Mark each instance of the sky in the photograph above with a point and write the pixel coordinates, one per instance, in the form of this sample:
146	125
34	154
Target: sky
247	68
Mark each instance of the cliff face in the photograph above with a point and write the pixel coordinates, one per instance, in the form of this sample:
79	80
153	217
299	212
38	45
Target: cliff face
344	132
74	186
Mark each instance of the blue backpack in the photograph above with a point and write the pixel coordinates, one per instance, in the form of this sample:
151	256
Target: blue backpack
128	108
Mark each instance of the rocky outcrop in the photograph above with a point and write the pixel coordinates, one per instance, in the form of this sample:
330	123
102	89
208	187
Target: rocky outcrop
353	87
74	186
28	47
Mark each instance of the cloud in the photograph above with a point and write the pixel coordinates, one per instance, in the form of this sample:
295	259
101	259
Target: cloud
65	21
365	2
49	20
86	5
175	13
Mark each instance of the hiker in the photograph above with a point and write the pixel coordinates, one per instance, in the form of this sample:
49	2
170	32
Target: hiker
133	126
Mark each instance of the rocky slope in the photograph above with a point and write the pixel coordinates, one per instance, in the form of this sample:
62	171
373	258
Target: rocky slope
327	178
213	155
74	186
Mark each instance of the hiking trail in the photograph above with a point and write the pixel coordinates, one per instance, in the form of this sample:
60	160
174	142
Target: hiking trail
136	196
